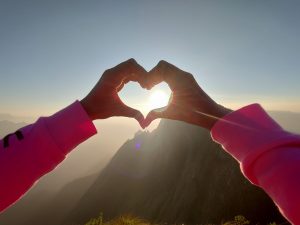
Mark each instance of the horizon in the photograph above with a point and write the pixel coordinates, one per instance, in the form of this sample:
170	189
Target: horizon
53	53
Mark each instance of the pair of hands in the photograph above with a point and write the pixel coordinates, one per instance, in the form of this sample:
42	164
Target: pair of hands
188	102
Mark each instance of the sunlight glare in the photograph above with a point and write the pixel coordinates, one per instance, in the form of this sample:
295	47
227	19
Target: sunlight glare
158	99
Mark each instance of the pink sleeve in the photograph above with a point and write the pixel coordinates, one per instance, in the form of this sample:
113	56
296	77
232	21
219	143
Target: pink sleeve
268	155
38	148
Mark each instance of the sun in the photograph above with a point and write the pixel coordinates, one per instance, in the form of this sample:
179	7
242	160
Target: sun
158	99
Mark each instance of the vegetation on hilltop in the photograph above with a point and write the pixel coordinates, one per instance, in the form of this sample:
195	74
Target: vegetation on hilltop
132	220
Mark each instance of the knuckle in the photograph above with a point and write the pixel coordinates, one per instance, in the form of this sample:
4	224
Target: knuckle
152	113
163	66
187	78
162	63
190	76
131	61
107	72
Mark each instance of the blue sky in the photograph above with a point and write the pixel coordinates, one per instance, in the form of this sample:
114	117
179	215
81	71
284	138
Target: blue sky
53	52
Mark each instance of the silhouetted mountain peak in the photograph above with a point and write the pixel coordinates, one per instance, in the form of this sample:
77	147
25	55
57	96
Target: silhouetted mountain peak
175	174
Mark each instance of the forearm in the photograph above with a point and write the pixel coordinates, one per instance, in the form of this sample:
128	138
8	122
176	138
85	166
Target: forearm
268	155
44	145
211	115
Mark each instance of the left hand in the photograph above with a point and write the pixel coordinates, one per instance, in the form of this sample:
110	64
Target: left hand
103	101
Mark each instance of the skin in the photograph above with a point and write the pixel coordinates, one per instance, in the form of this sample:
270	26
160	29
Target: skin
103	101
188	103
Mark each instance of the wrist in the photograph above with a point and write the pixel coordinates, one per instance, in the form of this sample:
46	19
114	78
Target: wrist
218	113
222	111
87	108
210	113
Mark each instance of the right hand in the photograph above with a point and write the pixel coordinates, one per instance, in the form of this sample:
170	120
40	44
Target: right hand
188	102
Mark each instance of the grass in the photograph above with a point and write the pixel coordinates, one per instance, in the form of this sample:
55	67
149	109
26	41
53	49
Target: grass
132	220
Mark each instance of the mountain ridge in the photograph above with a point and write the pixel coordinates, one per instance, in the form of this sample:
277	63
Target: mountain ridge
179	176
12	215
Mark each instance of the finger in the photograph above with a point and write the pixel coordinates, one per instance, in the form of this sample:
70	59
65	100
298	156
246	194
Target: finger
132	113
129	70
156	75
155	114
167	72
137	74
120	87
124	81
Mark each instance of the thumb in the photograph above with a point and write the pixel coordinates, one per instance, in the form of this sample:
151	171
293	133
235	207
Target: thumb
133	113
153	115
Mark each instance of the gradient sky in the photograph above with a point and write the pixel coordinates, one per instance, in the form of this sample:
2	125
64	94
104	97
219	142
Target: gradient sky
53	52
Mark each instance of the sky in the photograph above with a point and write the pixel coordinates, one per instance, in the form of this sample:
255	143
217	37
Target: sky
240	52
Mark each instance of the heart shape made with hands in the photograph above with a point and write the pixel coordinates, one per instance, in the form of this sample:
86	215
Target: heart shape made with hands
188	102
145	100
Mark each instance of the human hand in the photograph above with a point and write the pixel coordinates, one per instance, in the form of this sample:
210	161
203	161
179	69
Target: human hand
103	101
188	102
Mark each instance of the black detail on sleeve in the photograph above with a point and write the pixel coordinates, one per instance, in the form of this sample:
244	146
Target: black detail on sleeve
5	140
18	134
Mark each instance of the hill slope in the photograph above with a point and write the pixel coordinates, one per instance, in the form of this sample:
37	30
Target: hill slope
175	174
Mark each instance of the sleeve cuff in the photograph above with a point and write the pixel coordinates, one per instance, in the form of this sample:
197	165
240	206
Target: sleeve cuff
248	133
70	127
243	130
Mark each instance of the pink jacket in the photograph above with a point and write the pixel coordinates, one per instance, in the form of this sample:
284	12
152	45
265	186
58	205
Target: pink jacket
38	149
268	155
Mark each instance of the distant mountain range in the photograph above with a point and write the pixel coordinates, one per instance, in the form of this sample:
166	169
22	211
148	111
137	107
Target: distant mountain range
288	120
7	127
174	174
15	119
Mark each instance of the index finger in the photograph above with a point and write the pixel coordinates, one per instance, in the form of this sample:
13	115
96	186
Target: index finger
168	73
126	71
